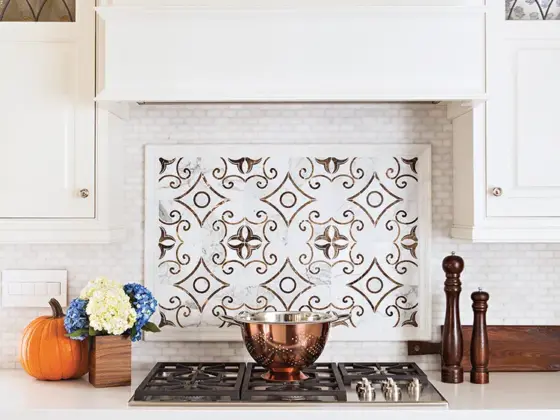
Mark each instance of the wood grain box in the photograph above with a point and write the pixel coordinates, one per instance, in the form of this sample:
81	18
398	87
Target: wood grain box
110	361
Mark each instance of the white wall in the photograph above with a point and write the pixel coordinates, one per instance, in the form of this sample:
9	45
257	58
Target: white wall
523	279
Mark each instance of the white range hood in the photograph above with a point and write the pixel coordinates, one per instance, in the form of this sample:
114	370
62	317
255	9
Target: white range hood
291	51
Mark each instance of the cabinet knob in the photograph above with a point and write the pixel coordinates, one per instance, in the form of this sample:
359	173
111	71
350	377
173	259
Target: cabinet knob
84	193
497	192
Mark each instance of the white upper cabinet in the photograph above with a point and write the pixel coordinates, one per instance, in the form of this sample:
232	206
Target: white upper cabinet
522	148
523	144
47	151
55	179
507	178
247	50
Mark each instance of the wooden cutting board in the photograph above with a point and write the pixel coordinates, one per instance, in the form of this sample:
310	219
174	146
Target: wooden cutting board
513	348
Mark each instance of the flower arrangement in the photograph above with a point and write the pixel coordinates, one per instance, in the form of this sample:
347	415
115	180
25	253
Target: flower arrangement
106	307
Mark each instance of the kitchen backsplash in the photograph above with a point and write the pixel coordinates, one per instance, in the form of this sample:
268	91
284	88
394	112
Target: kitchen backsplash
278	227
523	279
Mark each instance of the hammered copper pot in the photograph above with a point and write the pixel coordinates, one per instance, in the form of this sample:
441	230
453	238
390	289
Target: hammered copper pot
285	342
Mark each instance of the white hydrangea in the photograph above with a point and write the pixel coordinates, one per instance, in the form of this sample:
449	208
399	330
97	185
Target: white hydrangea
99	284
108	307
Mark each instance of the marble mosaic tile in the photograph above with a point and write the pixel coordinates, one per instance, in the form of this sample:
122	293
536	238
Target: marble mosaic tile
289	228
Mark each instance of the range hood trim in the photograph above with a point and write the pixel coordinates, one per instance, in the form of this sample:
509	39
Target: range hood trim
156	103
177	98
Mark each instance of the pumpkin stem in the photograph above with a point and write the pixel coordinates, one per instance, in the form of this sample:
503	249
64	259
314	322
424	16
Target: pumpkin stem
57	311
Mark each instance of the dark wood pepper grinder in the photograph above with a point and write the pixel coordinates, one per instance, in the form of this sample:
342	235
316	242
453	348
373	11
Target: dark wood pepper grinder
452	339
480	349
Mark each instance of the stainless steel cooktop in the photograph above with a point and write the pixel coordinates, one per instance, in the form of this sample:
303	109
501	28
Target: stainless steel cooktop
388	385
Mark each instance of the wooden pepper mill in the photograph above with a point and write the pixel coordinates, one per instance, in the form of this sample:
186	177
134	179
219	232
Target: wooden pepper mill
452	339
480	349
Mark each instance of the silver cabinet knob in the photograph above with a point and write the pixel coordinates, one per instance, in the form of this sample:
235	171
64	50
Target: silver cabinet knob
497	192
84	193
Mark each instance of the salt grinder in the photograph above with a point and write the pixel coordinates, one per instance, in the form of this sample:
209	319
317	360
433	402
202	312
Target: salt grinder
452	339
480	349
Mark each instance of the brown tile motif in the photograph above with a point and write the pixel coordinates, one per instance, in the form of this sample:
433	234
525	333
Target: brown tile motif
260	232
331	242
288	199
201	199
244	242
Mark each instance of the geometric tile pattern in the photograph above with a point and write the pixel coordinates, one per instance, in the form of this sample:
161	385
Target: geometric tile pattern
249	229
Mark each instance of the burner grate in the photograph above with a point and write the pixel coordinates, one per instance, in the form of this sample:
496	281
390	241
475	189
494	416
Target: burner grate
381	371
192	382
324	385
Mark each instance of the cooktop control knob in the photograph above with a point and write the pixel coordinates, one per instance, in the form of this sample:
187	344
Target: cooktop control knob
414	384
361	384
386	384
415	389
365	390
393	393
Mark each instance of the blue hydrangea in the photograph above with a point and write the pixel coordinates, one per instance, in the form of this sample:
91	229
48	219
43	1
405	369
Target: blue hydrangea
76	318
144	303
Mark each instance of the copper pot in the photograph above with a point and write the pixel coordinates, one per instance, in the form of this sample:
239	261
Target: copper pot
285	342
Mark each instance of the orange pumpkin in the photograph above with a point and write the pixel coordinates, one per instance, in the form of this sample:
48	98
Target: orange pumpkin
47	354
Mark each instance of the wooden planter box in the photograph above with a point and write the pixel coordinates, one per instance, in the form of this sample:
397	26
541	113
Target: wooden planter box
110	361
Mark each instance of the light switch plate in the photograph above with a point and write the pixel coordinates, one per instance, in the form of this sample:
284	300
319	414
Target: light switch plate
33	288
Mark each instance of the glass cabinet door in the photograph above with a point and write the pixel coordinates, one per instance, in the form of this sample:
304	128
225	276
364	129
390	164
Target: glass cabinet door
533	9
38	10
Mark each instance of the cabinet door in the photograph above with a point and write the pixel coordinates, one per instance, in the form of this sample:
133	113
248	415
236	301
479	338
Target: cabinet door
523	144
47	134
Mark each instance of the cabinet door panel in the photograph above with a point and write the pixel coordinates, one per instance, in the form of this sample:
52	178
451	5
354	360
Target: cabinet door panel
522	143
47	135
537	123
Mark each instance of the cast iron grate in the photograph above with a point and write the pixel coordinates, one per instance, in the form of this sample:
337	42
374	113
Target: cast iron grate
377	372
324	385
175	382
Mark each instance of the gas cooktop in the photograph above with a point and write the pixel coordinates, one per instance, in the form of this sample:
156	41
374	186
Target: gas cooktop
379	384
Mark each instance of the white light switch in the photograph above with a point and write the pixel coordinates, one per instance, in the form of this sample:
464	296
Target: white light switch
41	289
27	289
53	289
33	288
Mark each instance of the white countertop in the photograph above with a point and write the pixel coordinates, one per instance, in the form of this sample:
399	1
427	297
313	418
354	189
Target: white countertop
512	392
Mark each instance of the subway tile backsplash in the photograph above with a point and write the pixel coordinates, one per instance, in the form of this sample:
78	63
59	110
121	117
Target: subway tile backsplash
523	279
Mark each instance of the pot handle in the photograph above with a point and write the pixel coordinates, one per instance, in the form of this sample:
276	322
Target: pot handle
229	320
340	319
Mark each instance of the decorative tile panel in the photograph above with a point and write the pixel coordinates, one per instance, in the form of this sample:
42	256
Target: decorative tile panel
289	228
532	9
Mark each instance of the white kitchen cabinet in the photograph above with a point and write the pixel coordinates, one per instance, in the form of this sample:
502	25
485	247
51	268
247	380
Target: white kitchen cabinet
523	144
52	164
48	126
507	178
